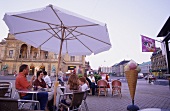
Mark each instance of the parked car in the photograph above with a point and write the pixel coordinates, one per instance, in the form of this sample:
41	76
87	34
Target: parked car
140	75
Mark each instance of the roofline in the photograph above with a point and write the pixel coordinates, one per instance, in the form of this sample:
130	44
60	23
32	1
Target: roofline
165	29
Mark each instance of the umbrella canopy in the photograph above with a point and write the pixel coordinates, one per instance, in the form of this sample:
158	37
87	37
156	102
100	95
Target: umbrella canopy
60	31
48	27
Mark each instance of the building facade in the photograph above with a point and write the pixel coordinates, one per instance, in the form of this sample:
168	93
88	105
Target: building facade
106	69
158	61
118	68
145	68
15	52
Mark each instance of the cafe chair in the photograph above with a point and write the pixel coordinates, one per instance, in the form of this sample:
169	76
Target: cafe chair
5	89
22	102
9	104
84	99
116	87
77	98
102	87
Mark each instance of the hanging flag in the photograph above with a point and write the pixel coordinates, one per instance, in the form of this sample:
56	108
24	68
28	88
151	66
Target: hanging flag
163	48
148	44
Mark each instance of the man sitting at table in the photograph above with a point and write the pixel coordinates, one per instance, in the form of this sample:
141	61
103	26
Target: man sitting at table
22	83
47	79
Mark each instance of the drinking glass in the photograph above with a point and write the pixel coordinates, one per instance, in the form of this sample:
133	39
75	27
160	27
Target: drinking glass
56	83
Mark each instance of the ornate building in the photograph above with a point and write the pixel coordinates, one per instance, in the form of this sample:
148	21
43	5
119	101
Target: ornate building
158	61
15	52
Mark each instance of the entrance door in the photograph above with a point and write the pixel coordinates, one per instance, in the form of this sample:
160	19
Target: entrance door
32	69
42	68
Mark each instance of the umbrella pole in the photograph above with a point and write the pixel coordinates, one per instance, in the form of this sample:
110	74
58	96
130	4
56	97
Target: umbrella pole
59	59
55	87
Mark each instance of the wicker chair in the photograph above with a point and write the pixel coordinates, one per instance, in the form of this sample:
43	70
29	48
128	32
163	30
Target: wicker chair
9	104
102	87
76	101
116	87
5	89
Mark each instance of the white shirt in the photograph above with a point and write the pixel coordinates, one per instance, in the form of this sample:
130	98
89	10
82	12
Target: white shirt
84	87
60	73
47	80
92	79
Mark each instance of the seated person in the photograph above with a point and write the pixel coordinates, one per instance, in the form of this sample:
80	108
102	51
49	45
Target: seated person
60	75
93	83
47	79
40	83
22	83
73	85
88	80
83	83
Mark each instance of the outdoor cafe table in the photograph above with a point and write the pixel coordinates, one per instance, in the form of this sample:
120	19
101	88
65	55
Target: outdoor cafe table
34	93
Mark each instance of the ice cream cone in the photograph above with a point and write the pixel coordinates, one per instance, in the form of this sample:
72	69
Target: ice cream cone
131	77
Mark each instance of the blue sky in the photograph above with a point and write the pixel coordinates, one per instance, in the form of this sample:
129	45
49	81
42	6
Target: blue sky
126	21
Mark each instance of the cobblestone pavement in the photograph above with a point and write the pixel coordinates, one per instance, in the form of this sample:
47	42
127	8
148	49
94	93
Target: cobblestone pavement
147	96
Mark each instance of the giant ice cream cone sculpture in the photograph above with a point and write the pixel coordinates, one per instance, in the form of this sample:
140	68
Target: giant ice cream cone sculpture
131	71
131	77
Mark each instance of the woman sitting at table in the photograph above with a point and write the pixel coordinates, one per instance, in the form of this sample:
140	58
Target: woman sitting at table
87	79
73	85
40	84
83	83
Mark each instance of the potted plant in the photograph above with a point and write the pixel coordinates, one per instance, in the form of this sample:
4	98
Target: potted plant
97	77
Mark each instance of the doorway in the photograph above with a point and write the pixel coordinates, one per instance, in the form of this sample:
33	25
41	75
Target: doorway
32	69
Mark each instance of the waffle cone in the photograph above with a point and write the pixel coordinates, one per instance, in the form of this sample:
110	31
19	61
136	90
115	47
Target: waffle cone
131	77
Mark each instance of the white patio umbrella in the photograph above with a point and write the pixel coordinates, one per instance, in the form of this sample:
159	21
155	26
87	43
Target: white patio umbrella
60	31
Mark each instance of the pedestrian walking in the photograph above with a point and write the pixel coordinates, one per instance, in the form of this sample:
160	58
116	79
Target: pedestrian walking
15	73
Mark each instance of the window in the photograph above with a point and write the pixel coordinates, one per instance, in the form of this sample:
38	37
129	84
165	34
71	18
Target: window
72	58
55	56
79	58
35	55
46	55
10	53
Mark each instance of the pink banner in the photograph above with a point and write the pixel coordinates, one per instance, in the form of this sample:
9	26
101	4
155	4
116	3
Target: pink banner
148	44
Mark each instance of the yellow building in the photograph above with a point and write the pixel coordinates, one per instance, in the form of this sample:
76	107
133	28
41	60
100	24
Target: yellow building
14	53
159	65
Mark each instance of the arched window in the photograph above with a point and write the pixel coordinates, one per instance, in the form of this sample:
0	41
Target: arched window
33	52
23	51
